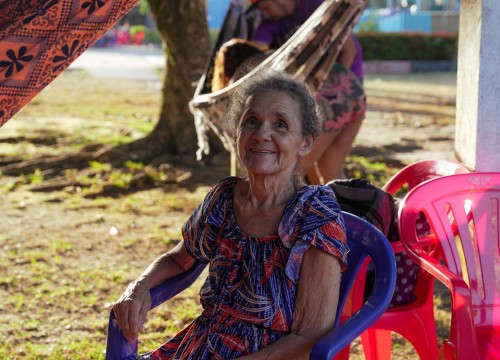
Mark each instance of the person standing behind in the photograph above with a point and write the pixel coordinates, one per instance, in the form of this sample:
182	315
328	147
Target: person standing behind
341	96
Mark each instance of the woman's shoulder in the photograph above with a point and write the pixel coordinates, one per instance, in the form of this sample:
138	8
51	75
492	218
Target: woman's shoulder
312	206
319	192
228	181
213	208
225	184
222	191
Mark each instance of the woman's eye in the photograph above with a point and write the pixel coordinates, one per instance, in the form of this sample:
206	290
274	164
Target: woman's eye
282	125
250	122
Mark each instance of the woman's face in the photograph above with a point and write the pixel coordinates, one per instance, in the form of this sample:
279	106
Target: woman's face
269	136
276	9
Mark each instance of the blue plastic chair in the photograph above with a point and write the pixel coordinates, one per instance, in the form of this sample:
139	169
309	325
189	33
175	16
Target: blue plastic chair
364	241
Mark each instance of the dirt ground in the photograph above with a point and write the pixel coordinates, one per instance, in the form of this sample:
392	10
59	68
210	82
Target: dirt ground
125	233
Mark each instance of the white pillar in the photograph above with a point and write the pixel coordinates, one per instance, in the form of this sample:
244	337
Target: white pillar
477	140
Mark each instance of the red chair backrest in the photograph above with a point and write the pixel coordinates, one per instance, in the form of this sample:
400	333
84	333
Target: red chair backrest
420	171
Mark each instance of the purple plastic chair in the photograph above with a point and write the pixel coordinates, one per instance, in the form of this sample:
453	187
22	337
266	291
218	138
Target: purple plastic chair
364	241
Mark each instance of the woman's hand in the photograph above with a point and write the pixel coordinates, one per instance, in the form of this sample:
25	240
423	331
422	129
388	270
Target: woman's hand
132	308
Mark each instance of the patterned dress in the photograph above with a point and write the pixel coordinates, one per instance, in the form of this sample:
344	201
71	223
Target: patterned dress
249	295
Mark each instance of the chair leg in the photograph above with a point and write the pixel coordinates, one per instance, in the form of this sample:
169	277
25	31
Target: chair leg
377	344
424	344
447	351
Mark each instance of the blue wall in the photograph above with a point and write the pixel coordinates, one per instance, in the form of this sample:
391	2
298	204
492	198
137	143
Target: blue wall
405	21
216	10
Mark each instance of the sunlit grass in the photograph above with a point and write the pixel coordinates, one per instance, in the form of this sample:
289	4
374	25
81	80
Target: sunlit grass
94	111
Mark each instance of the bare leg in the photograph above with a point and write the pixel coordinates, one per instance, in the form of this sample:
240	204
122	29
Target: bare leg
321	144
326	161
313	176
331	162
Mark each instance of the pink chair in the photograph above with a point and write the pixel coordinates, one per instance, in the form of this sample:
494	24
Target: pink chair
464	214
415	320
420	171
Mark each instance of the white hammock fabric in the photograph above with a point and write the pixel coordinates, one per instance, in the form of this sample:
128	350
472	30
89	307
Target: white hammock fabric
308	55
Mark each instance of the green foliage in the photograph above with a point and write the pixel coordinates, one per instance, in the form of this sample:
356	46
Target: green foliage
120	179
133	165
213	37
143	7
34	178
99	167
134	29
408	46
369	25
152	36
371	169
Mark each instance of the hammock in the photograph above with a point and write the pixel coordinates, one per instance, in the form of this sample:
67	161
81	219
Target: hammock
39	39
308	55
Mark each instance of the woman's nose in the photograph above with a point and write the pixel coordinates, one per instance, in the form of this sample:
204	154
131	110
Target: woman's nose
263	131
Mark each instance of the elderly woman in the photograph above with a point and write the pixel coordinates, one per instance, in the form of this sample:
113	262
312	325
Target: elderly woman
275	246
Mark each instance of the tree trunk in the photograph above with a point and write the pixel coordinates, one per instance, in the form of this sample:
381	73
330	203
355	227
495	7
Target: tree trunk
183	26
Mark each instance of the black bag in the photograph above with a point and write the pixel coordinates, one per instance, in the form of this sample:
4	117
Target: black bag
377	206
361	198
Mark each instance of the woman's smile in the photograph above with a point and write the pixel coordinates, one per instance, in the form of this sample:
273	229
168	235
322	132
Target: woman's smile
260	151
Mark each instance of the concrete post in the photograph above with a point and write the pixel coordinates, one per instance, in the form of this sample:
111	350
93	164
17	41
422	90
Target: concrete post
477	137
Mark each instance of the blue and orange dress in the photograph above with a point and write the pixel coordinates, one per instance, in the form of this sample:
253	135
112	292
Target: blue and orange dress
249	295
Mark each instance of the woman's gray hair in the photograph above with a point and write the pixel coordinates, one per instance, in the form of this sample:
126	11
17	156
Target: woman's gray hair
270	79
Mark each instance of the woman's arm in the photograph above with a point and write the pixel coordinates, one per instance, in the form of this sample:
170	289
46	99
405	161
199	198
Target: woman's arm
132	307
347	53
315	308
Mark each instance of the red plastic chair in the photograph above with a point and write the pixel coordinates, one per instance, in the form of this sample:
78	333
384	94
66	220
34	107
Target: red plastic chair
364	241
415	320
464	214
420	171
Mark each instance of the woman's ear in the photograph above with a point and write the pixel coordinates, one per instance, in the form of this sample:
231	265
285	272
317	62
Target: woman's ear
307	145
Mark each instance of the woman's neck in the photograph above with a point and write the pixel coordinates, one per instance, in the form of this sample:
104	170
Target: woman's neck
268	191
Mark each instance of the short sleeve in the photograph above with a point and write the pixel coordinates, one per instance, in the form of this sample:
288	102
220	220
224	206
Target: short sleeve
202	228
316	221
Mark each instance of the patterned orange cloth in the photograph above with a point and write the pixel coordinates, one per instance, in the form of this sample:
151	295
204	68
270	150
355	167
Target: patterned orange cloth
39	39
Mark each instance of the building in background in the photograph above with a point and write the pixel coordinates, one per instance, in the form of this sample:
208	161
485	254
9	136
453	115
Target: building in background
428	16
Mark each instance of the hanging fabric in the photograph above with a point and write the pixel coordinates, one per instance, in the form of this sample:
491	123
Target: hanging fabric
40	39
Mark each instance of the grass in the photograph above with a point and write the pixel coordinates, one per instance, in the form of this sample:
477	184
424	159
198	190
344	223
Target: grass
92	110
64	256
